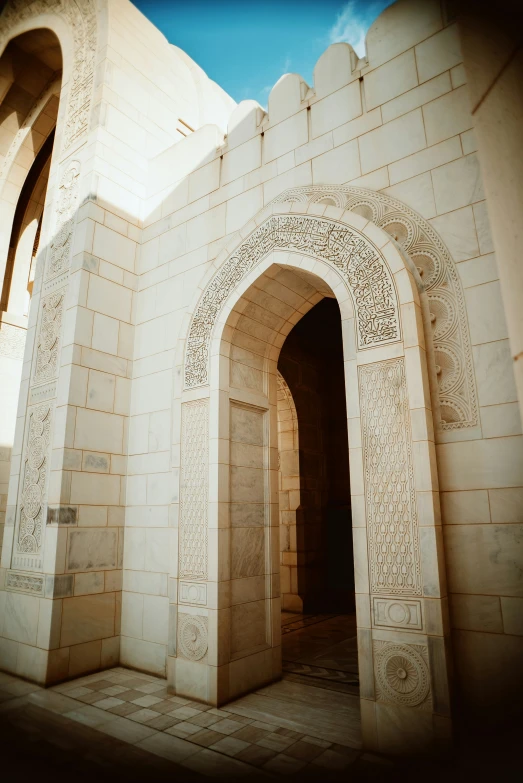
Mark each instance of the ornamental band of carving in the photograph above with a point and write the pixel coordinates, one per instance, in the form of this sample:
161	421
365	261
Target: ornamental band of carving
448	316
390	498
48	343
194	480
31	521
81	17
64	222
24	583
354	256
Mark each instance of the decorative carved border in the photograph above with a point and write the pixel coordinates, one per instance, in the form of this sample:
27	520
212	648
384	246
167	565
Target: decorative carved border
81	17
449	323
353	255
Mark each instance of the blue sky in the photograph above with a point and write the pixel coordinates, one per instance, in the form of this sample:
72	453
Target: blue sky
246	45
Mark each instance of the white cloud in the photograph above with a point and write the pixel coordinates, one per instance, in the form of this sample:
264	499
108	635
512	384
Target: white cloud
354	20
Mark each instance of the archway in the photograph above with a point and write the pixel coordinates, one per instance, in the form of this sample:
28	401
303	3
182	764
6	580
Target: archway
31	68
227	403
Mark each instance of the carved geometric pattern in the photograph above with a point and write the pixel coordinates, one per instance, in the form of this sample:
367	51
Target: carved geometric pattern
49	338
192	636
448	316
65	209
81	16
12	341
194	481
392	525
394	613
193	593
24	583
353	255
402	674
33	488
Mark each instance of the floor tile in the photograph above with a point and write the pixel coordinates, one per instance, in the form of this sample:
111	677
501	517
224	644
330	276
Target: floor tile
20	687
303	750
275	742
254	754
184	712
209	762
130	695
54	702
126	730
91	716
230	746
206	737
74	693
162	722
226	726
183	729
106	704
125	708
143	715
151	687
114	690
316	741
284	765
172	748
204	719
146	701
250	733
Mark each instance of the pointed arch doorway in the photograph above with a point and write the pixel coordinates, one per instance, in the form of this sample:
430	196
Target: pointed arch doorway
229	532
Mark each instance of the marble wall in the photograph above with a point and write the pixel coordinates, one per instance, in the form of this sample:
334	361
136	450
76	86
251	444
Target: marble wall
384	144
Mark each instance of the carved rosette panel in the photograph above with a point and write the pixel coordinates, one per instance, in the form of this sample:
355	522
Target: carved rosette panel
194	480
81	18
12	341
49	338
355	257
192	636
31	520
402	674
448	316
390	498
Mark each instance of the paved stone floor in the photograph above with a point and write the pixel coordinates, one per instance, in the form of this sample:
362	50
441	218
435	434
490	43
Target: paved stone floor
306	725
124	724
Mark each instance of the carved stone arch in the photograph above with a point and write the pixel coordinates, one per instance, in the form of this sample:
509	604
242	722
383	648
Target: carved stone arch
341	245
80	17
447	322
225	423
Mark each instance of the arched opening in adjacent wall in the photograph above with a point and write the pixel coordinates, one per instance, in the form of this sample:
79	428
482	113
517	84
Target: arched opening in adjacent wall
30	82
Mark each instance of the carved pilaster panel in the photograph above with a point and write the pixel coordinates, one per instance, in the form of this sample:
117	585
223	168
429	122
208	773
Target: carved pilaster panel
31	511
194	492
390	499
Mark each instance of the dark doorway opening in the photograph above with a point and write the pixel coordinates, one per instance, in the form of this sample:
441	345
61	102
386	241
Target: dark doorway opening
311	363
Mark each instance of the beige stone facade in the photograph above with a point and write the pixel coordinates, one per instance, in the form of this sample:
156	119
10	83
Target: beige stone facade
152	474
